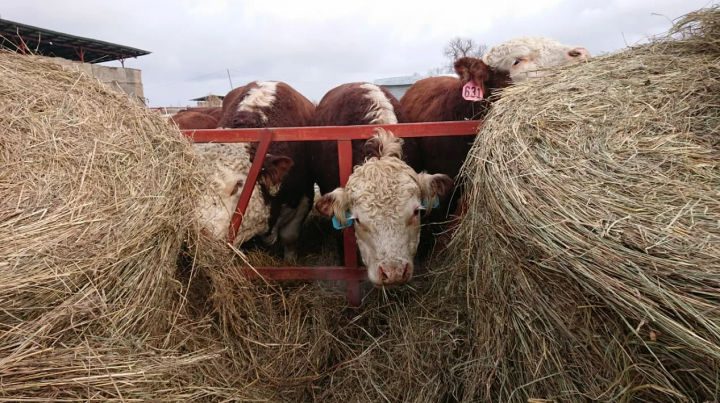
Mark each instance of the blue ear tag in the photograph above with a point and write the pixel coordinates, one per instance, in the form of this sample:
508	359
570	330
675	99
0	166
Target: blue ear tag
437	203
337	225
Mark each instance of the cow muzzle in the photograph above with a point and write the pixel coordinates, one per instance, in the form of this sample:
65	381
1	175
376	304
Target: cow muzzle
394	273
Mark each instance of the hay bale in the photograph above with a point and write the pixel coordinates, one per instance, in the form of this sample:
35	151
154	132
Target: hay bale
97	194
592	240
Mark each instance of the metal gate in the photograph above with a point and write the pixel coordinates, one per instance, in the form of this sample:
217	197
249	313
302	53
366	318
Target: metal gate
350	272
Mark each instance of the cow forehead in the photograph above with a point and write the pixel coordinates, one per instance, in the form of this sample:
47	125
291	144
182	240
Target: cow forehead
382	185
224	162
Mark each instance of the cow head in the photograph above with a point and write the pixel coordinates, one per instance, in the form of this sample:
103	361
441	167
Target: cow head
521	58
383	200
474	71
226	168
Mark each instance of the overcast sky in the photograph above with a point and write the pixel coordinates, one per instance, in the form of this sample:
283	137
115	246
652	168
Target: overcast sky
316	45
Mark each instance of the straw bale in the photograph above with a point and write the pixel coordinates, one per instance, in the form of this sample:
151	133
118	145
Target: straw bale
592	240
107	291
97	195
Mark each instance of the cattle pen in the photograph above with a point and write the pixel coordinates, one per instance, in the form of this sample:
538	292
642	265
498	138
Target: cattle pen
350	273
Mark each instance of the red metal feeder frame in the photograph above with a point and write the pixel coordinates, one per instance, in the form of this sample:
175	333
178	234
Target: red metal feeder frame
350	273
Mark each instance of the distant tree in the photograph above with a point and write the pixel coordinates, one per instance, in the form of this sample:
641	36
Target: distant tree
436	71
462	47
456	48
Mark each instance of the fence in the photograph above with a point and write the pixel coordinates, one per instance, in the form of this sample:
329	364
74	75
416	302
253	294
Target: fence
350	272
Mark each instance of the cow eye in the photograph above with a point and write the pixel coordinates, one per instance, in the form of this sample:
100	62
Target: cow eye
241	183
417	211
516	62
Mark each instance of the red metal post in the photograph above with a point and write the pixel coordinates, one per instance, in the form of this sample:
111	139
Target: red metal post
349	246
265	139
22	44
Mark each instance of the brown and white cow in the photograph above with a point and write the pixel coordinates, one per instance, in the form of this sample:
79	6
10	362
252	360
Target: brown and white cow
354	104
383	200
188	120
349	105
226	166
288	189
438	99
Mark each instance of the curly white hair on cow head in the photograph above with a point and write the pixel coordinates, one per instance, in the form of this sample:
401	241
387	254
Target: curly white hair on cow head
525	57
383	201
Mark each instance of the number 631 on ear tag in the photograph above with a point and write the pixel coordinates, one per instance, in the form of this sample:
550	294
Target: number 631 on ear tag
472	91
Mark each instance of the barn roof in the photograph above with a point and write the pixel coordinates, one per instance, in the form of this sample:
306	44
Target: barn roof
58	44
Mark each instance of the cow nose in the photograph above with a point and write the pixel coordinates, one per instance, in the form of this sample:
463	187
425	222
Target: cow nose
579	52
391	274
383	274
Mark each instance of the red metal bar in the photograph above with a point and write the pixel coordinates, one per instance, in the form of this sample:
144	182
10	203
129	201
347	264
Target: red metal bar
468	127
331	273
349	245
265	139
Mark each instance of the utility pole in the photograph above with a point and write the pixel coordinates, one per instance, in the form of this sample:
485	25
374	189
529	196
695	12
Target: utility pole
229	79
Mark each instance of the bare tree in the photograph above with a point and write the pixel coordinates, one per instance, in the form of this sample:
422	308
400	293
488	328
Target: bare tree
462	47
456	48
436	71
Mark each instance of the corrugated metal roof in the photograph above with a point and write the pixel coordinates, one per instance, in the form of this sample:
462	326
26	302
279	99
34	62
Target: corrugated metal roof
403	80
52	43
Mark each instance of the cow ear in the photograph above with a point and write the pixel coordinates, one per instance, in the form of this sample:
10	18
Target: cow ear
462	68
434	187
334	204
274	169
470	68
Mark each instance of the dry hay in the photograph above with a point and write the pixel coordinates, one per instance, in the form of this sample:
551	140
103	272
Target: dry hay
592	241
97	204
586	268
96	199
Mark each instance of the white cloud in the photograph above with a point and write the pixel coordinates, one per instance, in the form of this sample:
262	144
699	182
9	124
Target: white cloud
316	45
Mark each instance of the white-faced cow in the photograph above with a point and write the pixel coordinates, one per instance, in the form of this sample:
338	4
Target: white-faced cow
350	105
287	189
526	57
437	99
225	167
383	200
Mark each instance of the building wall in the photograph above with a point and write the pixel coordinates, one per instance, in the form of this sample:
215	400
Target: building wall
397	90
127	80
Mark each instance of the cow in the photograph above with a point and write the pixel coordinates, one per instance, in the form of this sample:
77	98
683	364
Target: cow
289	200
214	111
438	99
526	57
225	167
383	200
193	121
354	104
